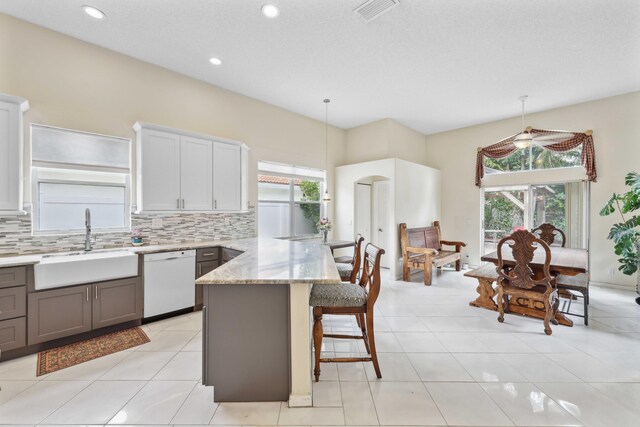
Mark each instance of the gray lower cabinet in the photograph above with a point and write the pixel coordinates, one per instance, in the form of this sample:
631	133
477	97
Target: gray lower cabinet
203	268
13	302
117	301
229	254
13	276
207	259
58	313
13	334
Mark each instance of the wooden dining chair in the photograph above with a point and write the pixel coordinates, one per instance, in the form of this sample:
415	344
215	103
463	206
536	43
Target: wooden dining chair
349	299
520	281
549	233
349	270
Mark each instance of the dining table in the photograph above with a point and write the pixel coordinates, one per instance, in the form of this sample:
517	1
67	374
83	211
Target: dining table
565	261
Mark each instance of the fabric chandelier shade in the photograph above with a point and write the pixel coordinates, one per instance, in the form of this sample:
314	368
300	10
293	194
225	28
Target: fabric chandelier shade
506	147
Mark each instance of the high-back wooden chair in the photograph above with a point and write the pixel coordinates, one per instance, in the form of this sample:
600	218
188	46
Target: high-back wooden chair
516	278
349	270
549	233
349	299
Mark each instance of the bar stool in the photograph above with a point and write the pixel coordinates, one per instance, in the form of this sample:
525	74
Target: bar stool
349	268
349	299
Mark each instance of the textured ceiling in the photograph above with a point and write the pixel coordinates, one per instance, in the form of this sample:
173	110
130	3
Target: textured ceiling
432	65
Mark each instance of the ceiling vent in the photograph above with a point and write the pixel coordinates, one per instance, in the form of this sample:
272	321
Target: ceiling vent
371	9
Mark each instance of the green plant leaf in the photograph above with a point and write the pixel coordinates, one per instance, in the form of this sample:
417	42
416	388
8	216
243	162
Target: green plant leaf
609	208
633	180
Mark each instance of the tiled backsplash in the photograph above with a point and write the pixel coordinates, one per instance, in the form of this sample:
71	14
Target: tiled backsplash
16	238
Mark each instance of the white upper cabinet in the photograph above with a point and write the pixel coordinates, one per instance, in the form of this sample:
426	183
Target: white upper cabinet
158	171
227	176
196	174
184	171
11	111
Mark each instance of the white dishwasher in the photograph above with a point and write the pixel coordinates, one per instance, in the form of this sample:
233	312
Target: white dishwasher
169	282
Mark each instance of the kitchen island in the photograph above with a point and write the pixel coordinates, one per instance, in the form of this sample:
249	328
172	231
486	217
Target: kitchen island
256	320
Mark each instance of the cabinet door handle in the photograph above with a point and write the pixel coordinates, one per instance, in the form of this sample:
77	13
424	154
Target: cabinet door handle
96	289
182	203
199	269
178	203
87	293
215	204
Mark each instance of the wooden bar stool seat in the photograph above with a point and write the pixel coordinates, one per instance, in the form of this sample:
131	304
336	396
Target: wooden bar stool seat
349	268
349	299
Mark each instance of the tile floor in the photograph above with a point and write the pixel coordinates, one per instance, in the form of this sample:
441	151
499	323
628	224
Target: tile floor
443	363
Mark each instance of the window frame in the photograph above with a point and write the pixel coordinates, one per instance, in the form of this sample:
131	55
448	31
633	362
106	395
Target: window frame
35	204
292	203
530	164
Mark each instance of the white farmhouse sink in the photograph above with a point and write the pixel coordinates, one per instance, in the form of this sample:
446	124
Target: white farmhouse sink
55	271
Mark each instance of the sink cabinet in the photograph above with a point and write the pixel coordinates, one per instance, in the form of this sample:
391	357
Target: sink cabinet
116	301
62	312
58	313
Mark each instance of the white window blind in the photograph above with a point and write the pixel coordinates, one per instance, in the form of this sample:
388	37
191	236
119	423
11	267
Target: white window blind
70	149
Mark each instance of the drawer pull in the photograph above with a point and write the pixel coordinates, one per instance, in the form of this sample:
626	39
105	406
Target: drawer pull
209	254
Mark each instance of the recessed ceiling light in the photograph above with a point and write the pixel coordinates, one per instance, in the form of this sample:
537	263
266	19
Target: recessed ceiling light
94	12
270	11
215	61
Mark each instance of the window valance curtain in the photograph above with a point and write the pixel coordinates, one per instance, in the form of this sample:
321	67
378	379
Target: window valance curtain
505	147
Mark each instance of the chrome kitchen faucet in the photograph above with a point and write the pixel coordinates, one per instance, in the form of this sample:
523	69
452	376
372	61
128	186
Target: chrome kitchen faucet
87	226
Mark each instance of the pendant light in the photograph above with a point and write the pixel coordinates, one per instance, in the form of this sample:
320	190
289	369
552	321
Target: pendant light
326	197
524	139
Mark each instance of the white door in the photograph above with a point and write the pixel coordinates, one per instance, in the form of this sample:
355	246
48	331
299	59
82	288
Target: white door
363	211
160	171
196	164
381	218
9	156
226	176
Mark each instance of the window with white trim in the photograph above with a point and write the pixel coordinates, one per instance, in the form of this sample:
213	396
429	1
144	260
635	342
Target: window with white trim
72	171
289	200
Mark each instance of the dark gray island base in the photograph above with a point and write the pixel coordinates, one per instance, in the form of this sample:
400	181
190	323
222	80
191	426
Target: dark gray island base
256	340
245	345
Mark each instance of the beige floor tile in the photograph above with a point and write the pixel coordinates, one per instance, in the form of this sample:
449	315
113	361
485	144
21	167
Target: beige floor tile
310	416
405	404
359	409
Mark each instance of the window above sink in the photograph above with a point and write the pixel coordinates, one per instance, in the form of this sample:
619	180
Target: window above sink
73	171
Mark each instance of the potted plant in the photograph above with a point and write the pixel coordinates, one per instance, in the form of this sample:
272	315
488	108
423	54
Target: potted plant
626	234
136	236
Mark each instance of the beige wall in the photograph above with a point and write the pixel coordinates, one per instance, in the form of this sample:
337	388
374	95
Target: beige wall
77	85
384	139
617	142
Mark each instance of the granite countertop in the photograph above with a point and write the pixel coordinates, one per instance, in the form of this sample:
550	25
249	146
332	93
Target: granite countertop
30	259
264	261
271	261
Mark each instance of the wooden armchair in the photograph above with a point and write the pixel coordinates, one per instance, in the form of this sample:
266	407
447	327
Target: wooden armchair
422	250
549	233
518	280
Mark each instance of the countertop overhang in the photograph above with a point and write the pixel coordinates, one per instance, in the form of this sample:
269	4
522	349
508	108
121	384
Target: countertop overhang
272	261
